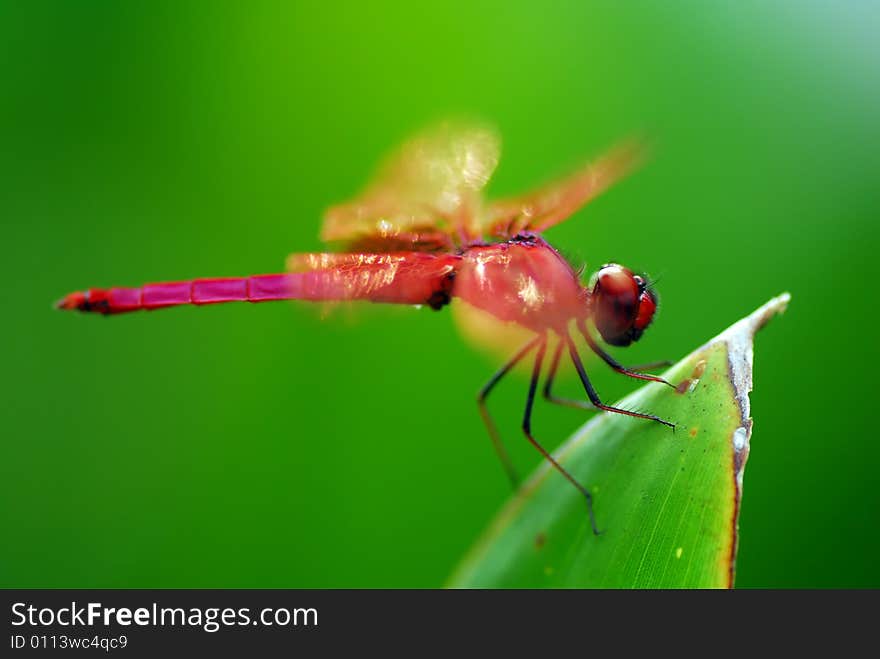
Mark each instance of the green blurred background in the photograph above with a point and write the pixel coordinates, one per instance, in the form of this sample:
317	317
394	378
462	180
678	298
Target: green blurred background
264	446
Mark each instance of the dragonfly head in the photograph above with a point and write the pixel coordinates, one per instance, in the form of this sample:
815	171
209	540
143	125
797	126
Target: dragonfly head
622	304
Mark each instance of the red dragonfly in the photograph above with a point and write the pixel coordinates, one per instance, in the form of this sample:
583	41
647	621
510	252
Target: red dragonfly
421	233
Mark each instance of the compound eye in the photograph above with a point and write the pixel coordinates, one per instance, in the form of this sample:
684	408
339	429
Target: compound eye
615	303
647	309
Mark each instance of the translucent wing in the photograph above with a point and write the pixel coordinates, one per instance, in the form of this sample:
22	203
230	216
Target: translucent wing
553	203
425	195
399	277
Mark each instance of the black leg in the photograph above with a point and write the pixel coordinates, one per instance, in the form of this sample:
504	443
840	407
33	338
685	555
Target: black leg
652	366
547	392
527	429
568	402
594	397
484	412
614	364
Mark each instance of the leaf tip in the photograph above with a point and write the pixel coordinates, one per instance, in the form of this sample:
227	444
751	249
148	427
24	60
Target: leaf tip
739	338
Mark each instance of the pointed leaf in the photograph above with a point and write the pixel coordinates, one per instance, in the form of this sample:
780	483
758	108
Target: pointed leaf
667	502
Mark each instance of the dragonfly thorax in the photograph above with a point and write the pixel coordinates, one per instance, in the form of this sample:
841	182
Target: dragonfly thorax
523	281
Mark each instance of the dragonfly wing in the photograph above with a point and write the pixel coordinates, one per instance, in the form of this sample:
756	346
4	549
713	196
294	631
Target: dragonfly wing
425	196
398	277
553	203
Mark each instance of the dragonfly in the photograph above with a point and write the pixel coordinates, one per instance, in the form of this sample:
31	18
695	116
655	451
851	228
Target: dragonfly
423	234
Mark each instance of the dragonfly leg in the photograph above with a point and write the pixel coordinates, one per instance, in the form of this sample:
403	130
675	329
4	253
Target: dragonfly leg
527	429
594	397
652	366
487	419
631	371
547	392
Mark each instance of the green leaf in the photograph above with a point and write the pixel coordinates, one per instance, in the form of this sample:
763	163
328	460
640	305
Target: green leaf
667	502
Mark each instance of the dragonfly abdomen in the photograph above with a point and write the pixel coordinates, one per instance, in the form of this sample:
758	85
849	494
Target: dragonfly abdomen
392	279
257	288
